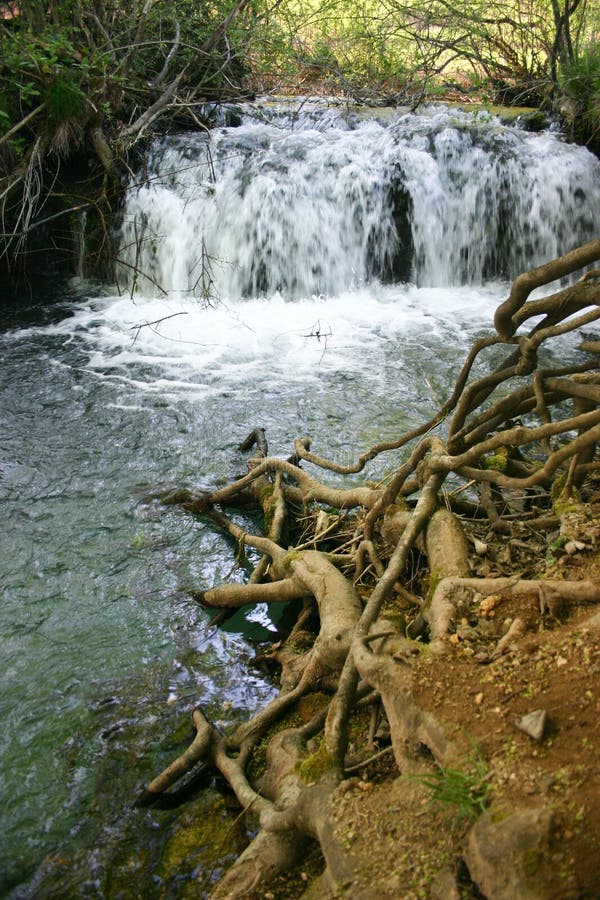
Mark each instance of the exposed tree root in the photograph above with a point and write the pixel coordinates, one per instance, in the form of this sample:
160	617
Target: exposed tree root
520	446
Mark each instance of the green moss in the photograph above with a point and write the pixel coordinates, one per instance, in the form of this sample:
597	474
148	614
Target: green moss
265	492
316	765
495	461
292	556
434	580
258	760
265	498
530	863
563	505
564	502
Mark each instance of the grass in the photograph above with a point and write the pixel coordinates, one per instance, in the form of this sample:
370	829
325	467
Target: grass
465	789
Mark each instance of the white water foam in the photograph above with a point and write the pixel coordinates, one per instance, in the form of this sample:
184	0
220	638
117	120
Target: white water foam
200	351
321	204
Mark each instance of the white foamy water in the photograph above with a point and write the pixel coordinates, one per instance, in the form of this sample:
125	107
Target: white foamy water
198	351
318	203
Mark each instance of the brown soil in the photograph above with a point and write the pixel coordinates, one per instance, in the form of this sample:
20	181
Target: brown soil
405	844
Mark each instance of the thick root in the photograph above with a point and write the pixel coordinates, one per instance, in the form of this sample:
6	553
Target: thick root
198	749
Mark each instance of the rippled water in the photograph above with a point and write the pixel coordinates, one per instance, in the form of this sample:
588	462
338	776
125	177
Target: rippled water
116	396
94	577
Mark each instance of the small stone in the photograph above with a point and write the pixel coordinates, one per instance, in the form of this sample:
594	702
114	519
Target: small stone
479	698
561	661
533	724
488	603
573	546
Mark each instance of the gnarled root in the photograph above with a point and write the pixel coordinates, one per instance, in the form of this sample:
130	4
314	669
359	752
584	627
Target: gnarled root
504	453
441	612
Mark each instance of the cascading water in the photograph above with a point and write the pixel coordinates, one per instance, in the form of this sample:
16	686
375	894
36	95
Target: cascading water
348	261
321	202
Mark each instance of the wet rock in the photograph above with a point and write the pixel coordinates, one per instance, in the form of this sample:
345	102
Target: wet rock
508	859
533	724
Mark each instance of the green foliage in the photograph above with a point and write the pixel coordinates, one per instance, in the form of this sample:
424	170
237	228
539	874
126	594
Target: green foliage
579	79
558	544
43	70
64	99
5	119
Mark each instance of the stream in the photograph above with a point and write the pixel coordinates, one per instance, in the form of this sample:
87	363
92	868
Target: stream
308	268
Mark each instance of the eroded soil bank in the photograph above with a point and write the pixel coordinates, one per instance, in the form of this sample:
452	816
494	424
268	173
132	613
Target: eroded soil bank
418	837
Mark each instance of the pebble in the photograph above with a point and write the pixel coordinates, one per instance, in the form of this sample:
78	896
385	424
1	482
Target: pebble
533	724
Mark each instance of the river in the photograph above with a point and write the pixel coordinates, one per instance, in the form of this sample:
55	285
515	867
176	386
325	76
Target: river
306	268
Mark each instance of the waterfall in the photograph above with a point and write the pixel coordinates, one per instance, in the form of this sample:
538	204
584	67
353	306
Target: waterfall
311	200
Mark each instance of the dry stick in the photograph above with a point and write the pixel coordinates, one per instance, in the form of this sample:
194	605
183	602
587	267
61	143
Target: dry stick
525	283
474	395
395	485
516	436
336	728
275	709
310	488
367	548
570	481
540	334
234	775
575	388
234	596
559	305
367	762
573	448
339	610
541	409
264	544
520	402
521	363
441	610
25	121
301	446
276	528
487	502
